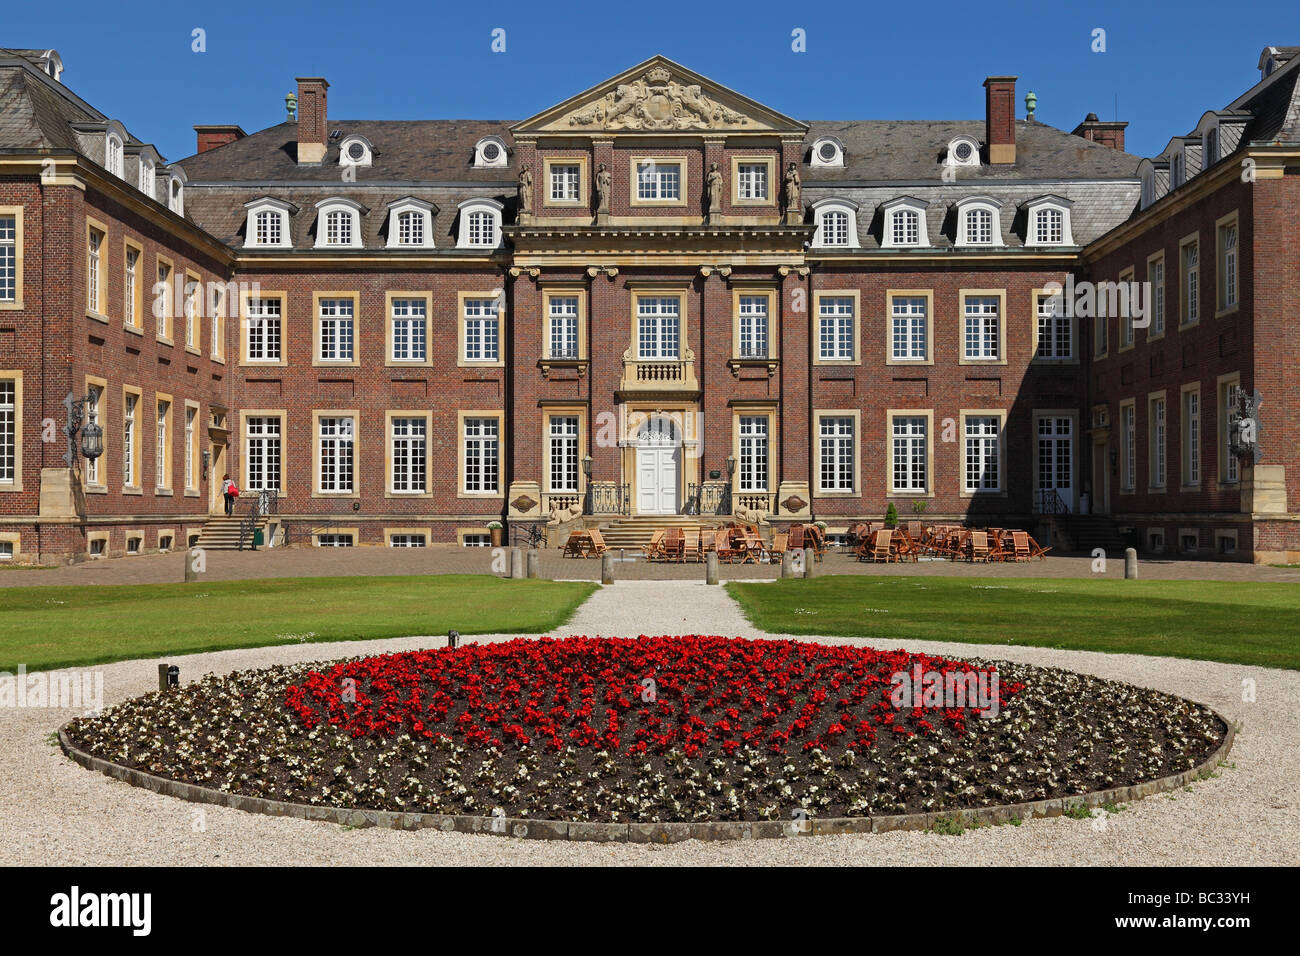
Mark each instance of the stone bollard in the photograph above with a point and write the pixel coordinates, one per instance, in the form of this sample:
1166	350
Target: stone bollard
1130	564
787	564
195	564
534	561
809	557
606	568
517	563
711	568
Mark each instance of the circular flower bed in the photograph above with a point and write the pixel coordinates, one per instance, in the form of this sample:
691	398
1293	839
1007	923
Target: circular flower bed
656	730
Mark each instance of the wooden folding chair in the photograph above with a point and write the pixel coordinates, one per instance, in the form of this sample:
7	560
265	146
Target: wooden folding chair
598	545
1036	550
882	545
691	544
722	545
979	546
780	544
1020	546
576	545
655	548
905	547
674	542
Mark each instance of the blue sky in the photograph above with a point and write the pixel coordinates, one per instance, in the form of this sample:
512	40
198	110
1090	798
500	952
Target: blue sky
414	60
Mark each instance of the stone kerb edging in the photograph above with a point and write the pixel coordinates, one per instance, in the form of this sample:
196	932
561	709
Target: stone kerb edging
641	832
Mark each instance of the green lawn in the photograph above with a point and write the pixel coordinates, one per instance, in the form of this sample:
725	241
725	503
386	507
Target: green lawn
1233	622
45	627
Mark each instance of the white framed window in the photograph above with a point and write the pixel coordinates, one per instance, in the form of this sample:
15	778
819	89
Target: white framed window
130	407
263	321
963	151
979	222
162	445
563	315
8	258
564	453
476	541
658	181
753	326
1055	328
94	393
408	454
1229	426
337	337
1156	453
1227	235
837	224
410	330
8	431
909	328
191	313
566	182
130	291
355	150
904	224
6	550
490	153
483	455
480	224
268	223
113	154
658	327
910	453
145	181
335	442
340	228
1191	437
262	452
837	442
163	300
751	181
334	540
407	540
753	446
983	435
1048	222
176	192
482	337
1191	282
268	227
1156	277
94	272
835	324
410	224
827	151
1128	439
981	328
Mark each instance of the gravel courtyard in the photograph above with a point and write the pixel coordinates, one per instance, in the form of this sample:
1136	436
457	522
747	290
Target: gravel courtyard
58	813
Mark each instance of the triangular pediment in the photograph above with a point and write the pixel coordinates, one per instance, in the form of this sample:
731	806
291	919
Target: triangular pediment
658	97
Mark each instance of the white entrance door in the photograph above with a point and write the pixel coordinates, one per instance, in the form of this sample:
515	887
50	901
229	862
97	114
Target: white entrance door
658	456
1056	458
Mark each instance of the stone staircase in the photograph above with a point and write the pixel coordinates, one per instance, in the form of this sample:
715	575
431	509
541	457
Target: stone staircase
222	534
635	532
1088	532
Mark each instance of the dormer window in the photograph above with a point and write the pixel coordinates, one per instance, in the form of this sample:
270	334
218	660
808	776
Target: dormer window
480	224
268	223
1176	170
837	224
827	151
1048	222
979	222
904	224
146	181
963	151
176	192
410	224
113	154
490	152
355	150
338	224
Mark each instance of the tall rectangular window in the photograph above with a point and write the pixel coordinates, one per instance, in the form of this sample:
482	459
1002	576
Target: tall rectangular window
94	393
8	430
835	329
909	446
753	453
1191	438
264	330
1156	276
410	337
1055	329
1191	284
658	182
262	438
753	326
8	258
408	455
1229	424
981	327
565	182
906	228
162	445
983	458
410	228
163	301
1227	266
267	228
336	330
835	228
131	288
564	452
336	454
835	434
658	327
1049	227
191	439
751	181
1156	453
130	426
192	313
481	331
1128	435
908	331
564	326
483	455
95	272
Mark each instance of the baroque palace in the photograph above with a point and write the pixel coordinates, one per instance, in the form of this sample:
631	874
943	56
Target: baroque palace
657	298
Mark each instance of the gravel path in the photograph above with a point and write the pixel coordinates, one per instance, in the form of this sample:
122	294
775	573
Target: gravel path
56	812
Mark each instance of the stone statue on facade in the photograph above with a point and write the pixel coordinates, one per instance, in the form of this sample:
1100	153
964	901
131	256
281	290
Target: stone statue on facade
713	191
525	195
603	180
793	207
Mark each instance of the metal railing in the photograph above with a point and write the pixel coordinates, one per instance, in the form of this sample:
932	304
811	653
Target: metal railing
1050	503
711	498
608	498
266	503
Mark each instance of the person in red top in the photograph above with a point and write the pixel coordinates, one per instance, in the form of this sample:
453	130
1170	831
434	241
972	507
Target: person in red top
231	492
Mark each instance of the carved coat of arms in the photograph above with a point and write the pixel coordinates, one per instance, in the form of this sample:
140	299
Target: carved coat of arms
657	102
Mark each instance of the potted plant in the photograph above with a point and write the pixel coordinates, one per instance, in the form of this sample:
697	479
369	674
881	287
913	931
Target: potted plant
498	533
891	516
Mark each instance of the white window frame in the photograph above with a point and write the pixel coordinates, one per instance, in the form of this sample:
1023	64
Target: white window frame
979	204
909	437
502	158
654	184
263	452
952	159
263	321
982	450
409	454
411	313
752	180
563	433
367	157
908	327
837	441
816	159
338	315
754	444
412	207
329	211
822	238
895	214
986	326
564	181
336	447
563	313
10	430
114	153
10	257
1044	204
1053	318
659	328
270	208
753	325
472	207
481	462
482	313
842	334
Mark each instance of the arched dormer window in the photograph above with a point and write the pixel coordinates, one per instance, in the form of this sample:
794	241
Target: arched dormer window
480	224
826	152
1047	222
146	180
410	224
490	152
837	224
268	224
904	224
115	148
355	150
338	224
176	190
963	151
979	221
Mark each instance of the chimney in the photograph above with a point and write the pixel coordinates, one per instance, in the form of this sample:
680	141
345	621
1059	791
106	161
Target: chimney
210	137
1096	131
1000	119
313	134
